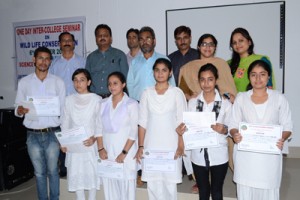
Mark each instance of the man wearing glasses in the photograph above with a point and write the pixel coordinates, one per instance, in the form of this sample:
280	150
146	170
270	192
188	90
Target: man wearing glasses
140	74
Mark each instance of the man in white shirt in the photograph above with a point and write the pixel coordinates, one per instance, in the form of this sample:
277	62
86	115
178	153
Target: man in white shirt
43	147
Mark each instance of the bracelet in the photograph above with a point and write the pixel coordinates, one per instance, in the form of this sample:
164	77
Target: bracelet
141	146
100	149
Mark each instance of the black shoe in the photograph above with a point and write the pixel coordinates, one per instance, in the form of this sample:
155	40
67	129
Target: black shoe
62	174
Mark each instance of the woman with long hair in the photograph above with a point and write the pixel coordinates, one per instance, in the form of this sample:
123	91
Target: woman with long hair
243	55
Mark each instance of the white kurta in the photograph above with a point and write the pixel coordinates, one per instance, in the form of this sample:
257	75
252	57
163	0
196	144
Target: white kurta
118	125
160	115
124	120
82	110
259	170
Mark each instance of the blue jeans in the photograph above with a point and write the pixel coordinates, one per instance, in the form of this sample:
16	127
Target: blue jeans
43	150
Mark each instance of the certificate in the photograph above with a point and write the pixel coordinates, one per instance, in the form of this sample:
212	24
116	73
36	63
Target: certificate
259	138
42	106
73	139
159	161
110	169
199	133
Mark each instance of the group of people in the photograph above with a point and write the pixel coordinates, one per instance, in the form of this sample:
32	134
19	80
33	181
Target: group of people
132	105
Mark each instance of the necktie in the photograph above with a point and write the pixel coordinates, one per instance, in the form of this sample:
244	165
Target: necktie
206	158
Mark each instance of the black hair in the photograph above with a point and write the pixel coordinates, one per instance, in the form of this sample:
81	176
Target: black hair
209	67
136	31
121	77
203	37
259	63
103	26
86	74
164	61
84	71
65	33
235	58
42	49
182	29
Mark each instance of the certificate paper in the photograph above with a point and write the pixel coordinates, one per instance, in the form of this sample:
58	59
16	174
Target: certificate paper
199	133
260	138
159	161
42	106
110	169
73	139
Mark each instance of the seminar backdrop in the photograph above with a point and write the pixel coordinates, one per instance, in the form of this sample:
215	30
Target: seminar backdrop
30	35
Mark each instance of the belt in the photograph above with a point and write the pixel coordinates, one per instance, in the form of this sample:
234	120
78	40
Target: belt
104	95
44	130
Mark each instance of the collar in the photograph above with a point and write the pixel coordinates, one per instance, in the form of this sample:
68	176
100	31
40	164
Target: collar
217	96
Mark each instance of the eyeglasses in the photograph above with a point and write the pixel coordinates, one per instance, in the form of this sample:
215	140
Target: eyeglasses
147	40
207	44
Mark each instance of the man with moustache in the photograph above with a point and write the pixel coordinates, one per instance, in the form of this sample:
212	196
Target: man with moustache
42	145
64	66
132	37
68	62
104	60
185	53
140	74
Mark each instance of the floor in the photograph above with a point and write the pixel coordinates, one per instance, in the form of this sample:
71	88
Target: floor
290	189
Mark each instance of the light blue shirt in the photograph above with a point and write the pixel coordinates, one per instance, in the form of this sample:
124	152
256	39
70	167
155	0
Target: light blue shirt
140	75
64	69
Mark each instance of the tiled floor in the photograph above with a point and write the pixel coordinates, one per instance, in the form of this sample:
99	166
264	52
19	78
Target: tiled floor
290	189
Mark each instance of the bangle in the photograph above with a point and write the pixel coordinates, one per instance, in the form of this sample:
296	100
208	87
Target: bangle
141	146
100	149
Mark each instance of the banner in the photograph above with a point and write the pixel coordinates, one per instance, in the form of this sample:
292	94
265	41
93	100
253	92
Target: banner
30	35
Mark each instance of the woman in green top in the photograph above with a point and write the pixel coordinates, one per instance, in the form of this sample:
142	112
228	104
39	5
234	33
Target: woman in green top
243	55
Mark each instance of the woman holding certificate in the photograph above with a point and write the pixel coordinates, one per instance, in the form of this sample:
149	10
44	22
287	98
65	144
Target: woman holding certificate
210	164
116	141
81	110
258	174
161	109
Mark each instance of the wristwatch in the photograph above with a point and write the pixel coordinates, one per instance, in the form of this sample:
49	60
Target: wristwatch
124	152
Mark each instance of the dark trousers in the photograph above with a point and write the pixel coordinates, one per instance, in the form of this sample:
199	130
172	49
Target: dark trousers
62	167
215	185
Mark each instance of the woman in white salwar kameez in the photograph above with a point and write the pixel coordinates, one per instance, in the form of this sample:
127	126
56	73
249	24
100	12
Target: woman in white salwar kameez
258	175
161	111
116	141
81	110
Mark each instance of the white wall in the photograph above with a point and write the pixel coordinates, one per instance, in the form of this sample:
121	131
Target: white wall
121	15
